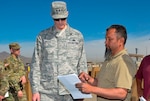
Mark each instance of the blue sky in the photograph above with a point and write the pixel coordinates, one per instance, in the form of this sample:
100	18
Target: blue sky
22	20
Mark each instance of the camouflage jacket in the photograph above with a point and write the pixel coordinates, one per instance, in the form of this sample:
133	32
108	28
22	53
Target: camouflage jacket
4	86
56	53
15	70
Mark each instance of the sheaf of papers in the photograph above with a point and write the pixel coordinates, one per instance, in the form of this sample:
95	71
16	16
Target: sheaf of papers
69	82
142	98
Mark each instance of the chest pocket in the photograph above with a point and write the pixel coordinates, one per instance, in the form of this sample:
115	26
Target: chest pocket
48	48
73	47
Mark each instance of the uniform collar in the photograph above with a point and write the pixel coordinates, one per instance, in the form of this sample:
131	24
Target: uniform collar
15	57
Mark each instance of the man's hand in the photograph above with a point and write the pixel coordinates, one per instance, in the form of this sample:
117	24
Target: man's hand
84	87
6	64
36	97
140	92
1	97
23	79
84	77
20	94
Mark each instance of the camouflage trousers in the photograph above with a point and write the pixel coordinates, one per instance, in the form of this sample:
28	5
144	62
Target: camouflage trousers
46	97
13	97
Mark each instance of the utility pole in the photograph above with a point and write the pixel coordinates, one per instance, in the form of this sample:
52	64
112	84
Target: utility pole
147	48
136	51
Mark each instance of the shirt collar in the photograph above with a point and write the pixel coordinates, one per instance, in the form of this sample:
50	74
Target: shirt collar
124	51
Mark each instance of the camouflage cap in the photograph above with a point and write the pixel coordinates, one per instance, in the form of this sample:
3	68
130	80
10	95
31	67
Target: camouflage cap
14	46
59	10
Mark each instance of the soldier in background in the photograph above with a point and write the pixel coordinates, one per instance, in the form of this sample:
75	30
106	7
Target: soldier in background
16	72
4	86
59	50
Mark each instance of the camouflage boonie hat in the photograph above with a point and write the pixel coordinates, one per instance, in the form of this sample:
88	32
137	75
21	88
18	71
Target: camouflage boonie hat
59	10
14	46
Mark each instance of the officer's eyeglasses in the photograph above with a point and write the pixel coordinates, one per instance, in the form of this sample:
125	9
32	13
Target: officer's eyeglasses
62	19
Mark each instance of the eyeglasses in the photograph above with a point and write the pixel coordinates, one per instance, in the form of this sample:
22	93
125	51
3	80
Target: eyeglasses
62	19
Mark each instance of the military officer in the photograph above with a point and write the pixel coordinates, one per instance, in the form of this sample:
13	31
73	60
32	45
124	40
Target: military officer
59	50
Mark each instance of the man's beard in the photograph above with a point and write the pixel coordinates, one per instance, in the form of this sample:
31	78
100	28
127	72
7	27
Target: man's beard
107	53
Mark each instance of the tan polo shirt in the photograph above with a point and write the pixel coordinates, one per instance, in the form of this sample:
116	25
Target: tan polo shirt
118	71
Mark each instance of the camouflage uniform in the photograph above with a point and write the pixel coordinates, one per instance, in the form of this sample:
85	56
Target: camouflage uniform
4	86
15	70
54	55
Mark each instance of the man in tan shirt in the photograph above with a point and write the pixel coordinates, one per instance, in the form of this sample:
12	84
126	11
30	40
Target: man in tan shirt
114	81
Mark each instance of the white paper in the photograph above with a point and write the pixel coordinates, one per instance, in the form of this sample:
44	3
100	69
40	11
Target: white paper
142	98
69	82
6	94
